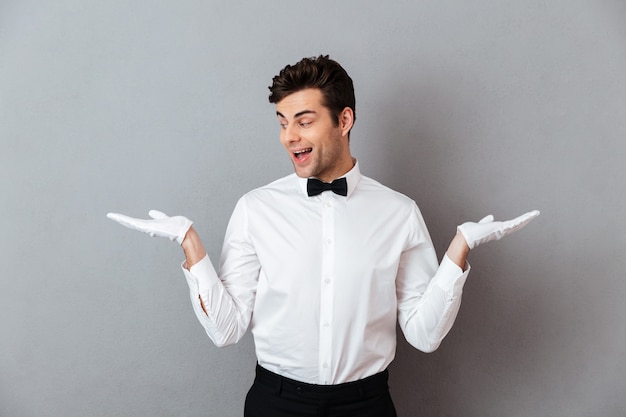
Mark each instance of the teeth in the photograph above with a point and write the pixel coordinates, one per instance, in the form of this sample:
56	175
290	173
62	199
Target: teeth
302	151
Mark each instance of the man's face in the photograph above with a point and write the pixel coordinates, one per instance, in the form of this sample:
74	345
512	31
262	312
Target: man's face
316	146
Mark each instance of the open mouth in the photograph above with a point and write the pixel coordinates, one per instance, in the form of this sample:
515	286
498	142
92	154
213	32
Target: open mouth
302	153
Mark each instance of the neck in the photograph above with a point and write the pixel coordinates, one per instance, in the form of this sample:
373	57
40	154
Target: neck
341	170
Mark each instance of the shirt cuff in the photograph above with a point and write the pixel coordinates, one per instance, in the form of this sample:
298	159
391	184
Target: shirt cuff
449	276
203	274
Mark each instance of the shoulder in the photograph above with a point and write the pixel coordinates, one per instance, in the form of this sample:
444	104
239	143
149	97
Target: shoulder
395	207
372	189
373	197
278	189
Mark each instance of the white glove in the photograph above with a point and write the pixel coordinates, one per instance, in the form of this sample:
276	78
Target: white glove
173	228
486	229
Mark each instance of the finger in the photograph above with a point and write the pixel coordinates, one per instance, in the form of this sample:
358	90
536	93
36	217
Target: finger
127	221
521	221
120	218
534	213
486	219
526	217
156	214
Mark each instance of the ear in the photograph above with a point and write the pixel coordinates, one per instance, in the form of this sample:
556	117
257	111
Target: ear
346	120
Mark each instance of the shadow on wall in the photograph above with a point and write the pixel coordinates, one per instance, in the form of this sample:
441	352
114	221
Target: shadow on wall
433	142
496	356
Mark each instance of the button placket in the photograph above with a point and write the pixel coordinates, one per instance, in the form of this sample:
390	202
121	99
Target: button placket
326	290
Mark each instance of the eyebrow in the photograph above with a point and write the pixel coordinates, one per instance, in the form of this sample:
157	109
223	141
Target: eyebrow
302	113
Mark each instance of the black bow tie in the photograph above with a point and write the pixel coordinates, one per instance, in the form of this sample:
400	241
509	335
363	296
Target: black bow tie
315	187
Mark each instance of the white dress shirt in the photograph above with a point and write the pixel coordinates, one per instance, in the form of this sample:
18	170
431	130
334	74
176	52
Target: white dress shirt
321	281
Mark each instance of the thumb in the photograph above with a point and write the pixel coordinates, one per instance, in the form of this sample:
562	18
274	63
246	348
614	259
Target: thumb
156	214
486	219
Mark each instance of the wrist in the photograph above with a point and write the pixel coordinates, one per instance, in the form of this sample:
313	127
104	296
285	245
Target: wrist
458	250
193	247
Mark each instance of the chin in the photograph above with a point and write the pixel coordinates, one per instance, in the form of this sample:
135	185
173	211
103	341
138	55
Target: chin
302	173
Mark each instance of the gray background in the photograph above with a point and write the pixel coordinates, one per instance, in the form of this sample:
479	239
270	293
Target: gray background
467	107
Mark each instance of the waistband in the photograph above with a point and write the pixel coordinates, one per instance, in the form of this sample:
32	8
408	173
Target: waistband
367	387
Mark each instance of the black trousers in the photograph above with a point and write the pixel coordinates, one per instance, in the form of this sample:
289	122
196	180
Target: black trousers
272	395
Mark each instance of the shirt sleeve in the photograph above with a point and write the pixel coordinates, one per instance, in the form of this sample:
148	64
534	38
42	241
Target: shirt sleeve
429	295
228	297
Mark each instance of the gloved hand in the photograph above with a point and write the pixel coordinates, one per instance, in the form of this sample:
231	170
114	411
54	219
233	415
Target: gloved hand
486	229
173	228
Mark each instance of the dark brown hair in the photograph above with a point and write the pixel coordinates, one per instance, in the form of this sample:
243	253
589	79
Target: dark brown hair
322	73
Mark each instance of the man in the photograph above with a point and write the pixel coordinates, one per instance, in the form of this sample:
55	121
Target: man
328	261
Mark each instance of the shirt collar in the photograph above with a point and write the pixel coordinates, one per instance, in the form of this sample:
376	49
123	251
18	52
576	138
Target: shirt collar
352	178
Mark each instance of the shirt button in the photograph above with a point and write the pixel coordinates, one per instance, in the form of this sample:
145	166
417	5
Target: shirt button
327	281
326	324
327	204
329	241
325	364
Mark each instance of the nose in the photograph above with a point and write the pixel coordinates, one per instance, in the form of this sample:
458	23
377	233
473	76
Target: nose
290	134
